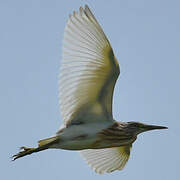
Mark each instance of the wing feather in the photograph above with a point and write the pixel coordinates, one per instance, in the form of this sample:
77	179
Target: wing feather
107	160
88	70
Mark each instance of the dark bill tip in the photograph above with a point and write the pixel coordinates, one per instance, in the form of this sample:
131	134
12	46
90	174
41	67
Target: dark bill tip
153	127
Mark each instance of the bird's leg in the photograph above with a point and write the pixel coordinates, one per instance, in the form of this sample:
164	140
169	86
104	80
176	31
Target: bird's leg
43	144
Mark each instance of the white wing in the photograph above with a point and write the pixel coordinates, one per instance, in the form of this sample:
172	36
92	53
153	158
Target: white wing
107	160
89	69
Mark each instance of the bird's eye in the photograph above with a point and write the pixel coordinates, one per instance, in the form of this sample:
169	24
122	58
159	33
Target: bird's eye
135	125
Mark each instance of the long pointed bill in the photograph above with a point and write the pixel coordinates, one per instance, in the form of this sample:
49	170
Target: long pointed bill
153	127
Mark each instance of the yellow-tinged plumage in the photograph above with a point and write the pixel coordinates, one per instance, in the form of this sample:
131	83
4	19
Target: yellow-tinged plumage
107	160
89	69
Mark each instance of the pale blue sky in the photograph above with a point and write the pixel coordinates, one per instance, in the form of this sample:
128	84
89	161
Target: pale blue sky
145	36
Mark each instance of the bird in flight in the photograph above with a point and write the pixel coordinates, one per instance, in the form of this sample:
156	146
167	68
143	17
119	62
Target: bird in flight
89	70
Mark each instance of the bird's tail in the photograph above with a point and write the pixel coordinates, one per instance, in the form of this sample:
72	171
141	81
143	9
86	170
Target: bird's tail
42	145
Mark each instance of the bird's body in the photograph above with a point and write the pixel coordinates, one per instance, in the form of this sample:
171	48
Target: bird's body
93	136
89	70
83	137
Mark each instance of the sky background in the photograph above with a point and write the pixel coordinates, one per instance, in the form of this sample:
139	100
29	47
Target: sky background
145	36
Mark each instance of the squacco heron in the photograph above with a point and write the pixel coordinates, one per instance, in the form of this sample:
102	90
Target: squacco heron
89	70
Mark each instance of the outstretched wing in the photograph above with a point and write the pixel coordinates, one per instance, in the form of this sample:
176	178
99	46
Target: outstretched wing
89	69
107	160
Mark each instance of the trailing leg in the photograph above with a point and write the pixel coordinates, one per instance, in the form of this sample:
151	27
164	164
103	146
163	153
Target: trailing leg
42	145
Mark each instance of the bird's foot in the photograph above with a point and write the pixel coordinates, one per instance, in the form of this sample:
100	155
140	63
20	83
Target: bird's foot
26	151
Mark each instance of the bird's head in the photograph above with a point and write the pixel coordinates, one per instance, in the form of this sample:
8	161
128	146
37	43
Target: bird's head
138	128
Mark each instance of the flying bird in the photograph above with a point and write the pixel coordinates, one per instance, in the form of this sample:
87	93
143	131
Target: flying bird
88	74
